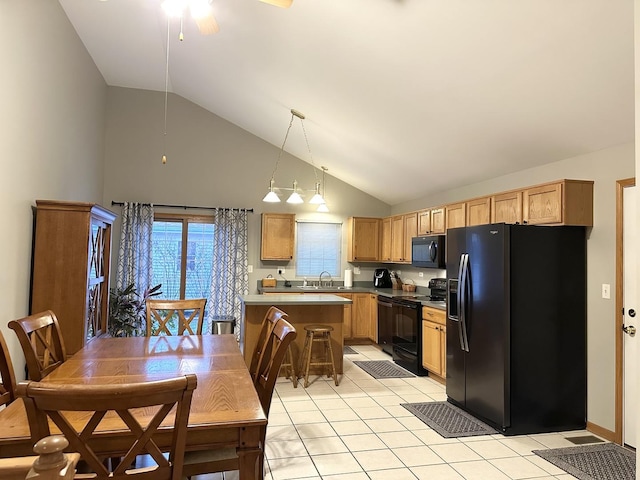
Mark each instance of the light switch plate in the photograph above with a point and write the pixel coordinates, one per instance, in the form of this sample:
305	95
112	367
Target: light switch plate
606	290
356	270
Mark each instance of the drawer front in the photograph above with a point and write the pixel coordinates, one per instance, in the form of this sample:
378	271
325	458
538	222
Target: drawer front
434	315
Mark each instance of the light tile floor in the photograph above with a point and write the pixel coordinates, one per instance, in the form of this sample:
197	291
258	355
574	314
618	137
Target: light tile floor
359	431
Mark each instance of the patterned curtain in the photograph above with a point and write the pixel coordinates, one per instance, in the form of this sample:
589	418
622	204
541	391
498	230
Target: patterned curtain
134	257
230	277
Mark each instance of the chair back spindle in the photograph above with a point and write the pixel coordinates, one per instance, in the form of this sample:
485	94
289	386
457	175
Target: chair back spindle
41	341
189	315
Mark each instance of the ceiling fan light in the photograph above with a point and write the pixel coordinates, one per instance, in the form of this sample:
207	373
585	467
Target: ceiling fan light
200	8
174	8
279	3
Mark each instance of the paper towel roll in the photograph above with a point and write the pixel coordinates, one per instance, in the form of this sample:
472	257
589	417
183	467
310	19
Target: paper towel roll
348	278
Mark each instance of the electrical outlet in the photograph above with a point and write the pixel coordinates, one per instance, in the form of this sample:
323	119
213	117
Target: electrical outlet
606	290
421	274
356	270
281	270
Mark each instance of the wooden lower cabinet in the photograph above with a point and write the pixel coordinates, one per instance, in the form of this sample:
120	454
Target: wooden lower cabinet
347	324
434	341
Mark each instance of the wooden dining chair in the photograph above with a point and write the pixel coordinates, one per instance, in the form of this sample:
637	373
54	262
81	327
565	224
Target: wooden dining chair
270	319
41	341
101	408
272	354
8	384
189	315
49	463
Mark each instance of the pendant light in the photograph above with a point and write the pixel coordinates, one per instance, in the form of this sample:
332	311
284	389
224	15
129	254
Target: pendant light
295	197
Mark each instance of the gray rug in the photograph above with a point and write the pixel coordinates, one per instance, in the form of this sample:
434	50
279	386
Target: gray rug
347	350
448	420
383	369
593	462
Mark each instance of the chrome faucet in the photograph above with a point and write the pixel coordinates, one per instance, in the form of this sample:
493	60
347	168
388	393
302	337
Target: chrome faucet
329	283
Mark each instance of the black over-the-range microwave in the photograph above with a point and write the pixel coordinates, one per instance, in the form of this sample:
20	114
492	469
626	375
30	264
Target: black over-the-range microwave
428	252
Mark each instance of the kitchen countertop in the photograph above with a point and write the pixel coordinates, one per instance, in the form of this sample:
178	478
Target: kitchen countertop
307	299
322	292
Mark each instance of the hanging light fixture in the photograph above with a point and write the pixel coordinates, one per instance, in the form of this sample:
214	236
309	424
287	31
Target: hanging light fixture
295	197
323	205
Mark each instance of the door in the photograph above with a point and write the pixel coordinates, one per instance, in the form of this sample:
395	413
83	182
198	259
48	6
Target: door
455	363
630	342
487	323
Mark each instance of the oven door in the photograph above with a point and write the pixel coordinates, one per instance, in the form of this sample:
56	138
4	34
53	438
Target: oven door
407	335
385	324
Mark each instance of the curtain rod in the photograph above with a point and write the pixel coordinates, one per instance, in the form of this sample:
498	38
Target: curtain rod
120	204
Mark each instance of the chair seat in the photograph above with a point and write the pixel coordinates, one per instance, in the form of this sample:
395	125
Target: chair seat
209	461
318	328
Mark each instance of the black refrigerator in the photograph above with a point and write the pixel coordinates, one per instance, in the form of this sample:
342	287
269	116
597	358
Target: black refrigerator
516	326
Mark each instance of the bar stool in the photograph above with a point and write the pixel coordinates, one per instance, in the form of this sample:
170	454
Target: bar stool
321	334
289	368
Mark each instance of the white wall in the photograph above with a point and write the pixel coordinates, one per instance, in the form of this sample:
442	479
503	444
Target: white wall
212	162
604	167
51	141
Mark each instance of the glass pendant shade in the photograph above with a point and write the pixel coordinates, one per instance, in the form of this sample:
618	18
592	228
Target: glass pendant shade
271	196
317	198
295	196
322	208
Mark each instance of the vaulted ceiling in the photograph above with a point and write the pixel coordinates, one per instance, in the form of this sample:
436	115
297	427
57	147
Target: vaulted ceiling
402	97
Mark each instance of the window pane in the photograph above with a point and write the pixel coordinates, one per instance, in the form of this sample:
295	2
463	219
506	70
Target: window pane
167	247
167	258
318	249
199	260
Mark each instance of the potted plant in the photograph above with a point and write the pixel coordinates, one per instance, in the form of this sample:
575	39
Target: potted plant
127	310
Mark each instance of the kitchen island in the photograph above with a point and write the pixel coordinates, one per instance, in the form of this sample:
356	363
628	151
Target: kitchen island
302	310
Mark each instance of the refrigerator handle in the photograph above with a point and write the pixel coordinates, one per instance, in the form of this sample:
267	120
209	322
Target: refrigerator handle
460	312
463	292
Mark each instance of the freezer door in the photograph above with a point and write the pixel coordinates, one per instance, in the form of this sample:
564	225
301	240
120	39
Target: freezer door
487	324
456	239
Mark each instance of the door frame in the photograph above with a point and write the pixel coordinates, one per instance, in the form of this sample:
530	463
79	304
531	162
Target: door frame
620	186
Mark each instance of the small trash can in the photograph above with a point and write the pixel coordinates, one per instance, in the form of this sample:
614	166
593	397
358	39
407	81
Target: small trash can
222	324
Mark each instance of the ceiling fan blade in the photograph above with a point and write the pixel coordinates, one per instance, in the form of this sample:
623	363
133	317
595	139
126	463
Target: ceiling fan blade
279	3
207	25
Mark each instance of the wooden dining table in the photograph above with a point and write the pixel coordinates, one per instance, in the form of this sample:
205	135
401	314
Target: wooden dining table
225	410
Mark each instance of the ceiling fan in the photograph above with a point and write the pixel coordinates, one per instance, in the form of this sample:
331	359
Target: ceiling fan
202	12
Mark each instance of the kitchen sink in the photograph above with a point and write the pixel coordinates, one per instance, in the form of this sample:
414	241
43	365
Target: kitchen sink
320	289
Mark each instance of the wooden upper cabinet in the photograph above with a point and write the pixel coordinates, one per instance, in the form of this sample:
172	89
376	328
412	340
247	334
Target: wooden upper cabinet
479	211
431	221
567	202
385	239
455	215
410	231
424	222
278	233
397	239
363	239
506	208
71	260
437	221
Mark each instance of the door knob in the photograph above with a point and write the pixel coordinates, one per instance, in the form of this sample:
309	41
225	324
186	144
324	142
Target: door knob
630	330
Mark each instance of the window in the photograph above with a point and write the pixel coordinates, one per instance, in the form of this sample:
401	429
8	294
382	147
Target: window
318	249
183	255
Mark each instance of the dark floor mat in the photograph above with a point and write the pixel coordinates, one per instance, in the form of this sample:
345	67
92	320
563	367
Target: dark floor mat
593	462
383	369
347	350
448	420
